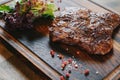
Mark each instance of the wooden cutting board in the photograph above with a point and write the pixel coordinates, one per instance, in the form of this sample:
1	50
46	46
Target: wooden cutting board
35	46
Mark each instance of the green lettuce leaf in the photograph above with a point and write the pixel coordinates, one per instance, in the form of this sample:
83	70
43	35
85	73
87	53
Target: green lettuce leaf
5	8
49	12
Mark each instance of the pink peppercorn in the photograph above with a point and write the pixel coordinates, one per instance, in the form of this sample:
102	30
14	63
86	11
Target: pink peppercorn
60	56
86	72
69	60
63	65
67	75
62	78
52	53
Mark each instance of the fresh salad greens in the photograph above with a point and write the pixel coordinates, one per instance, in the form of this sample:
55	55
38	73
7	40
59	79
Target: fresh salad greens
23	14
5	9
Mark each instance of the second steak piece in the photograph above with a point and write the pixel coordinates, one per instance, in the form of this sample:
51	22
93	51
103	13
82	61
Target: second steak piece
89	30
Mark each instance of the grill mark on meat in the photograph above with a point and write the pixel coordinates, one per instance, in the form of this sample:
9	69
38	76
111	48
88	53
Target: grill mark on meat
89	30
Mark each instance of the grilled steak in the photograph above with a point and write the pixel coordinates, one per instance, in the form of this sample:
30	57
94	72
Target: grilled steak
89	30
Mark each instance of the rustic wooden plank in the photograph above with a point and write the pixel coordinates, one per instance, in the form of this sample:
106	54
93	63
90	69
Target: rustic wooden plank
15	69
4	1
115	75
109	4
4	54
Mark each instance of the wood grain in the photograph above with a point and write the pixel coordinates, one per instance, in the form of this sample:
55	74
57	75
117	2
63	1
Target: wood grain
115	75
38	47
4	1
14	67
110	4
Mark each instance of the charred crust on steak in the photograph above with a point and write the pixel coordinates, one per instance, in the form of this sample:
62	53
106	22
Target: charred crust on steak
89	30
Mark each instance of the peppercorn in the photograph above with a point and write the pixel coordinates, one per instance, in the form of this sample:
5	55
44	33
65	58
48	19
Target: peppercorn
60	56
58	8
69	60
69	71
67	75
86	72
64	64
52	53
62	78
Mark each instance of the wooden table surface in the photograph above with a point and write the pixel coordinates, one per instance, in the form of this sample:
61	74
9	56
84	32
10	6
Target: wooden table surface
10	70
13	67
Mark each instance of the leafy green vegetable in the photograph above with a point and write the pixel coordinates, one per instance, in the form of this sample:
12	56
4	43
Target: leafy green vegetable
45	10
36	7
24	13
49	12
5	8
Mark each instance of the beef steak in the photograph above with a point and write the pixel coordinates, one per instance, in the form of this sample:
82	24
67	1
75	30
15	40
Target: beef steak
89	30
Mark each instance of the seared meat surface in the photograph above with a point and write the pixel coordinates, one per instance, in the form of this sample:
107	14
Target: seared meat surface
89	30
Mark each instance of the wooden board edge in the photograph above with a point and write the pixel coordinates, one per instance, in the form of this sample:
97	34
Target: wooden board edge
114	75
106	8
5	1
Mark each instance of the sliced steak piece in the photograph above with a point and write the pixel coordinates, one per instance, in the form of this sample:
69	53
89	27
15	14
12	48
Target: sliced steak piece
89	30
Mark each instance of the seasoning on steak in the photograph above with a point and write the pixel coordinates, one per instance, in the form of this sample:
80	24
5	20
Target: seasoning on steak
89	30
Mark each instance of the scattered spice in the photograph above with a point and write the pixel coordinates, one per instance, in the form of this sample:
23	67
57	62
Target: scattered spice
62	66
97	72
86	72
52	52
69	65
62	78
58	8
76	66
78	52
70	60
60	56
67	75
69	71
64	63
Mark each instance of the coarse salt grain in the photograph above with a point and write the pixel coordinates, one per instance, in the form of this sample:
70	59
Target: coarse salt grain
97	72
76	66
